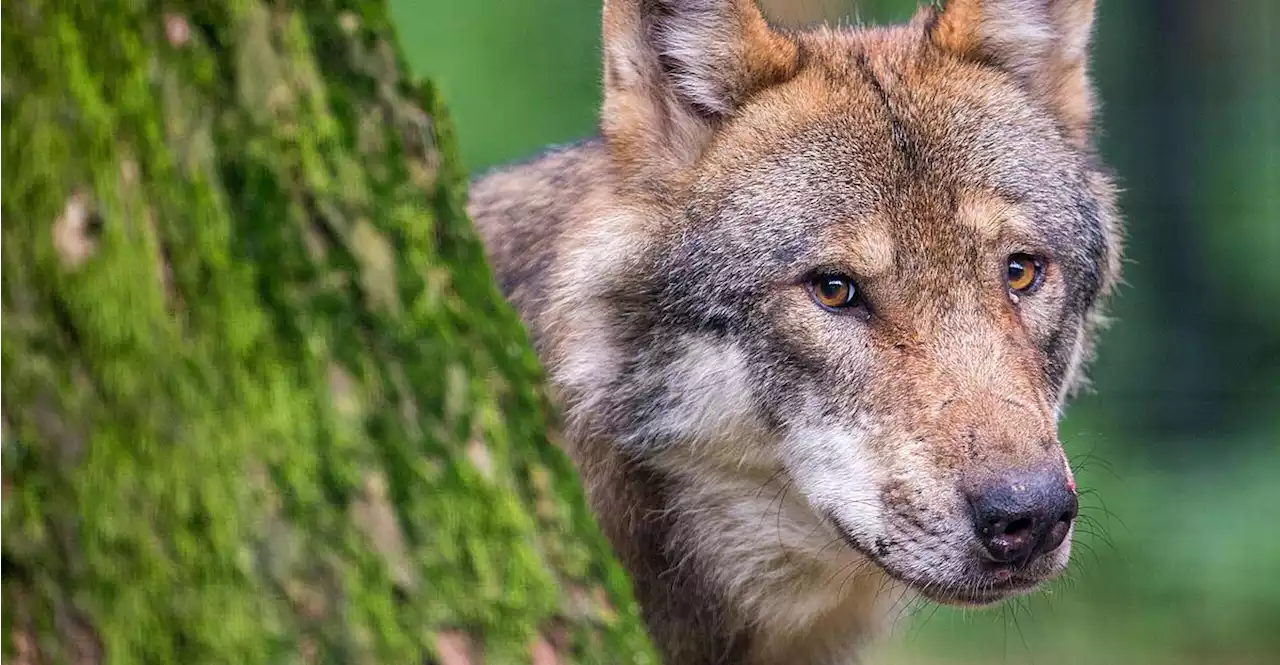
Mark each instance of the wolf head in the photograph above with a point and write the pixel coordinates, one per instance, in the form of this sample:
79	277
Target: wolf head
868	261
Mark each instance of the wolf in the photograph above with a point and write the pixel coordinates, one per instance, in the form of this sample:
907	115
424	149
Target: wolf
811	302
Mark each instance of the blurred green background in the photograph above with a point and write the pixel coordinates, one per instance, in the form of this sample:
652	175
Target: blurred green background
1179	444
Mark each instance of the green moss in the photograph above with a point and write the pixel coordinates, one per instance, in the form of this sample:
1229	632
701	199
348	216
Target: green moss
262	401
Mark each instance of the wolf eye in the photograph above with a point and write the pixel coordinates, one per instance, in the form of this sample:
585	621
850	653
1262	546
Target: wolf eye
834	292
1024	273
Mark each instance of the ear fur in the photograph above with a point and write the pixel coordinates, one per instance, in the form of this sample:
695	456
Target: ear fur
1045	43
673	69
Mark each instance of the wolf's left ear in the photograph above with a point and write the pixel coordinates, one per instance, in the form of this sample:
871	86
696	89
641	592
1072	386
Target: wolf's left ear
1045	43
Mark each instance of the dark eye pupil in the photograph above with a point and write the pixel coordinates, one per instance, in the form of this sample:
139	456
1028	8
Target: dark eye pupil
833	288
1016	270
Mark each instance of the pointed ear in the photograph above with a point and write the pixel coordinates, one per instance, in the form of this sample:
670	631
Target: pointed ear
1045	43
673	69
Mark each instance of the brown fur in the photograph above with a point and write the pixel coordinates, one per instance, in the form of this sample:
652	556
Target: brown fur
775	476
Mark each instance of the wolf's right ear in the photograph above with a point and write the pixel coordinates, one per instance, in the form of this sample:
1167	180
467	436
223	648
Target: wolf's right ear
675	68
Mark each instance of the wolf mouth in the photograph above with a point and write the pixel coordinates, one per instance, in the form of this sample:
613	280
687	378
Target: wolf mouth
972	593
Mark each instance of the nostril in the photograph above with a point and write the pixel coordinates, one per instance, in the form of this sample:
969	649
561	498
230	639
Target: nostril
1057	533
1017	527
1010	539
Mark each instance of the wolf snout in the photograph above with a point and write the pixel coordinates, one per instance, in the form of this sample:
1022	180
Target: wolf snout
1024	514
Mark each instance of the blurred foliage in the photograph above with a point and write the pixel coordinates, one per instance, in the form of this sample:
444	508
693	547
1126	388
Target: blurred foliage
1179	561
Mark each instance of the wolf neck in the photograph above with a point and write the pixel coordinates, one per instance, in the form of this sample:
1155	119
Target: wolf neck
733	569
793	590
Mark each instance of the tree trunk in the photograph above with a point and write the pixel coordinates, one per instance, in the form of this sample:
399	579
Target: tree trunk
262	402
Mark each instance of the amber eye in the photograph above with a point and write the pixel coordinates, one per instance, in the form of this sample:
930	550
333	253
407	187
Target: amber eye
834	292
1024	272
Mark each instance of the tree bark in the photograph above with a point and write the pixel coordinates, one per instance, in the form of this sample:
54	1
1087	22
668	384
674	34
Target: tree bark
262	402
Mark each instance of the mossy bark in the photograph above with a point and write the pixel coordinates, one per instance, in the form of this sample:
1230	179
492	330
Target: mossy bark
262	402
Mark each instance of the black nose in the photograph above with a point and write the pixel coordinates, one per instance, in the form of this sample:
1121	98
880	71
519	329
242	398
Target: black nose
1024	515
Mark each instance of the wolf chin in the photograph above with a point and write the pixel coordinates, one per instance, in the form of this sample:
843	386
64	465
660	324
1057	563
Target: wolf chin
811	302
